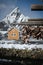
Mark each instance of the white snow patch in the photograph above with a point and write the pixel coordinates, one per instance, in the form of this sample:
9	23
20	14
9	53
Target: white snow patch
3	32
21	46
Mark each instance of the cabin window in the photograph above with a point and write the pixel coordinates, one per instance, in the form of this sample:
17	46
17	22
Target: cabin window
13	34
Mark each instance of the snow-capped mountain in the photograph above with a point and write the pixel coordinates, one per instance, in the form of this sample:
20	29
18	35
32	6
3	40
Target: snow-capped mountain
15	17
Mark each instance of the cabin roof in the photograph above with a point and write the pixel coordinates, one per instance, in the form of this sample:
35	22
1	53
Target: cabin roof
12	28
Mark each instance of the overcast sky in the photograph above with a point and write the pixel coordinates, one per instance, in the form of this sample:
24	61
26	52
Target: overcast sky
6	6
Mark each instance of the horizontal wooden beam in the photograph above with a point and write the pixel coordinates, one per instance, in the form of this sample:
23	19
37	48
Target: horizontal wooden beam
36	19
31	22
37	7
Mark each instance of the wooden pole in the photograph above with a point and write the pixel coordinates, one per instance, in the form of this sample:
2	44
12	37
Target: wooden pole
31	22
37	7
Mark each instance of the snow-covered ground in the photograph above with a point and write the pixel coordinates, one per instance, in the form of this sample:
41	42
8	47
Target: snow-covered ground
16	17
21	46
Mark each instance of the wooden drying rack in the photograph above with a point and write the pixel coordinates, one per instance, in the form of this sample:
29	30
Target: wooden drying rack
31	22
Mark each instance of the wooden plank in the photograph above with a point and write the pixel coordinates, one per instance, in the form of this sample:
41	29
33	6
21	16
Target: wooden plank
37	21
31	22
37	7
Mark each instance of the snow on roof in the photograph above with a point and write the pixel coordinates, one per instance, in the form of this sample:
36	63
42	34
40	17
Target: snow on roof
13	28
